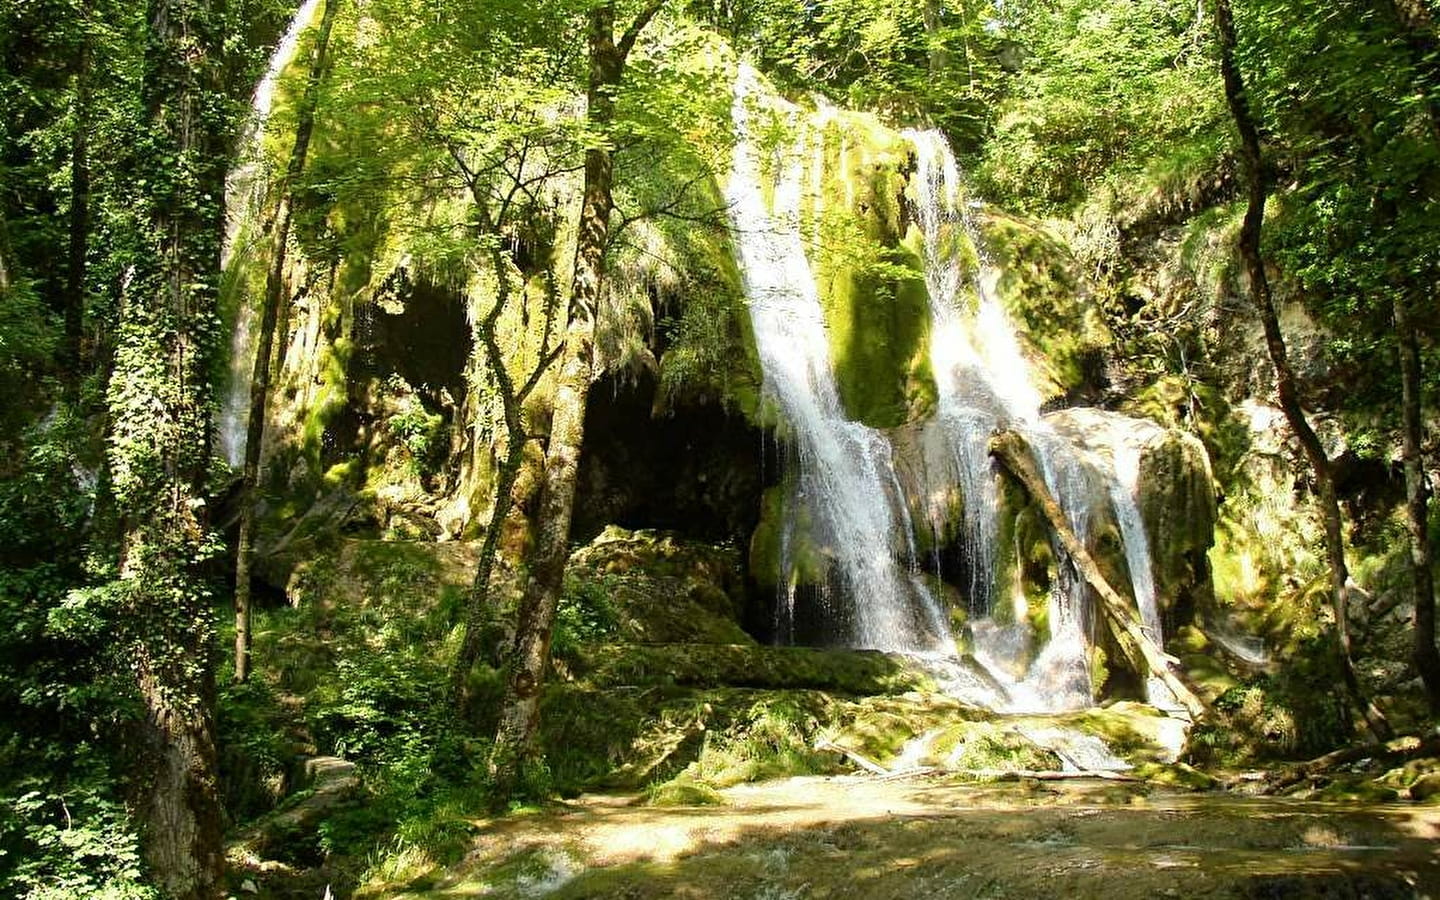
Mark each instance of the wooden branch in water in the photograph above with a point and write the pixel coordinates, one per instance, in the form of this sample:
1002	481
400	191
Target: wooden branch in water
860	759
1043	774
1014	454
1406	747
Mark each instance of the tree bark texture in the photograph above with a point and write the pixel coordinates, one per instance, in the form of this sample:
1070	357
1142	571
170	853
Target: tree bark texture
5	276
159	400
1417	504
265	343
1286	387
1015	455
535	620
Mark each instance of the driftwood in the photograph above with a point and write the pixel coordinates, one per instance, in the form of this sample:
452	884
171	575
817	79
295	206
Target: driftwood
1406	747
861	760
1014	454
884	774
1043	774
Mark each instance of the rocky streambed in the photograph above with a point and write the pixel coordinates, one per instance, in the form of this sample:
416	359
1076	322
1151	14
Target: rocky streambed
858	836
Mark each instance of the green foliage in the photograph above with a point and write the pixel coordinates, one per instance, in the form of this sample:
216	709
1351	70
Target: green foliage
915	58
585	614
1104	90
255	746
76	844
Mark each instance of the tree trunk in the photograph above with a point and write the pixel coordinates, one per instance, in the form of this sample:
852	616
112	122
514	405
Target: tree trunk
1238	102
5	276
79	206
512	399
1010	448
265	342
535	620
1417	503
159	450
939	56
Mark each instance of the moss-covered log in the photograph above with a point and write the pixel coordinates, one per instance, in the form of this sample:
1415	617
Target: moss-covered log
1014	454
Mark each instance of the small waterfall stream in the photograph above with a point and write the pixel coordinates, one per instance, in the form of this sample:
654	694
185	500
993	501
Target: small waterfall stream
984	383
245	188
846	487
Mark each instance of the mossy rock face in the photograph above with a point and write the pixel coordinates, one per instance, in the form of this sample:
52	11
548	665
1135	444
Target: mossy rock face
660	588
1426	788
856	672
1065	335
781	552
872	286
1175	493
628	739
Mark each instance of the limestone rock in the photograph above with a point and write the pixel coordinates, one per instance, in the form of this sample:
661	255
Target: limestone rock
1176	497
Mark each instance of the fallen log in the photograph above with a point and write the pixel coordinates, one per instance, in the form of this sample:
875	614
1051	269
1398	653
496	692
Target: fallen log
1042	774
1412	746
1014	455
863	761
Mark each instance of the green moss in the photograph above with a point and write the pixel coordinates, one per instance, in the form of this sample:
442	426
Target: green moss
854	672
1063	332
1175	775
330	398
871	284
1356	790
807	564
684	791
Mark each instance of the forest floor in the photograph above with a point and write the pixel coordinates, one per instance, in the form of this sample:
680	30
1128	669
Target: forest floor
876	838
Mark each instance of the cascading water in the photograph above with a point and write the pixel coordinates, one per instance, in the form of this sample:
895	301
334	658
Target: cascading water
984	383
846	501
845	488
1125	497
244	196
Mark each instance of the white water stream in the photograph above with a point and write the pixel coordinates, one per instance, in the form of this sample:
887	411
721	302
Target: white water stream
984	383
845	487
245	188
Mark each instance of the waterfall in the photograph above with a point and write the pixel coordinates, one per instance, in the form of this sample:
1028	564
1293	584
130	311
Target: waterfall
845	487
245	188
984	383
844	502
1125	496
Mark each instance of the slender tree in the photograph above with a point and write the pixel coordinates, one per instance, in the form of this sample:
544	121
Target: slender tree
1417	502
74	304
535	619
1419	32
1286	386
265	341
160	402
512	401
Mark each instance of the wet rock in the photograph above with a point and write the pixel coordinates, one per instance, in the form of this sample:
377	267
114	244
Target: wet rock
1426	788
1176	496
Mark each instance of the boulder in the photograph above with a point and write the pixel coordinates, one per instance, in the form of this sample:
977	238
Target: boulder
1176	497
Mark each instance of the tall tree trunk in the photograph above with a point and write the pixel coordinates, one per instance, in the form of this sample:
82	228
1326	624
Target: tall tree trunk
535	620
512	400
1417	502
160	400
930	13
79	205
1422	44
5	276
265	342
1238	101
